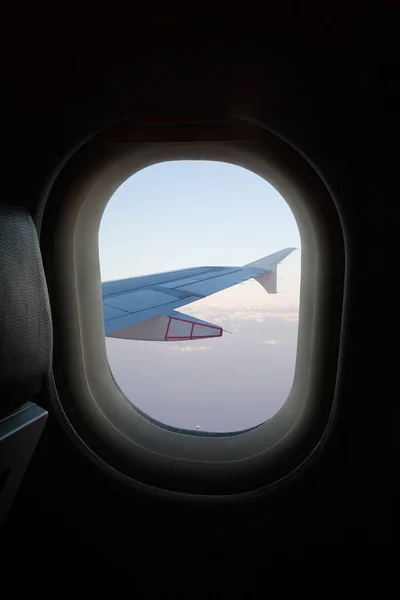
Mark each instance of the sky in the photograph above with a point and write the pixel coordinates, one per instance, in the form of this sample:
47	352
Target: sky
183	214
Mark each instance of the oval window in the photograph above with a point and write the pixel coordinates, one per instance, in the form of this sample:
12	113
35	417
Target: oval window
200	304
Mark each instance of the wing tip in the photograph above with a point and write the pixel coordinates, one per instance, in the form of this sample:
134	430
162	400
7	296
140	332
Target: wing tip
272	260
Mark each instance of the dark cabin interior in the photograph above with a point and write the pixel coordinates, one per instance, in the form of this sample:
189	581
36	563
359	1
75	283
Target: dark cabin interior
323	80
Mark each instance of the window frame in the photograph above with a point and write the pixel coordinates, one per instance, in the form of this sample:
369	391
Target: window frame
94	407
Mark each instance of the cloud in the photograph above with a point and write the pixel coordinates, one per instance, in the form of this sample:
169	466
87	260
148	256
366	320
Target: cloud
189	348
261	316
245	312
232	327
247	315
274	342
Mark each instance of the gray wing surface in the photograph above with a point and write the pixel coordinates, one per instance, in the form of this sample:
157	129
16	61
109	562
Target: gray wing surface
128	302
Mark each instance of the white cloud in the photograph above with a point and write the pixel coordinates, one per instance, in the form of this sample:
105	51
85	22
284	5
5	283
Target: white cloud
189	348
245	315
232	327
258	313
260	316
292	317
274	342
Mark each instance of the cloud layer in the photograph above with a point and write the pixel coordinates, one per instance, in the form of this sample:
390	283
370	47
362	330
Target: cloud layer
245	313
243	382
188	348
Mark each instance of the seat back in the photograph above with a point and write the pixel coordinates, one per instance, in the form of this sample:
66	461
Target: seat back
25	347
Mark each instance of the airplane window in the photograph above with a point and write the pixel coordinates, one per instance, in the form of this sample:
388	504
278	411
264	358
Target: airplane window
200	268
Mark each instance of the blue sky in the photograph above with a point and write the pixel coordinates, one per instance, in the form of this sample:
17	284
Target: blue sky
197	213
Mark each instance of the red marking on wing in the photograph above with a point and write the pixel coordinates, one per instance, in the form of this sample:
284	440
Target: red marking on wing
190	336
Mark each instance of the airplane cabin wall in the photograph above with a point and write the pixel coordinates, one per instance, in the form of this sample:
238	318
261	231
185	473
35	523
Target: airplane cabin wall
323	109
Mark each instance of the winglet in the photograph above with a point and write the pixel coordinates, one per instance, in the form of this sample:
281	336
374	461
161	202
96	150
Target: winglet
269	264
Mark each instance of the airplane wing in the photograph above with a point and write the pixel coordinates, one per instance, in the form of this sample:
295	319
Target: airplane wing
143	308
